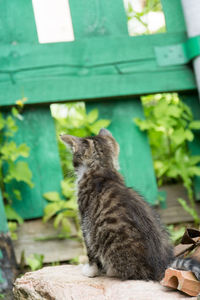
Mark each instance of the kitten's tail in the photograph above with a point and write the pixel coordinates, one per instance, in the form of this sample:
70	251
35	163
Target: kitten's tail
187	264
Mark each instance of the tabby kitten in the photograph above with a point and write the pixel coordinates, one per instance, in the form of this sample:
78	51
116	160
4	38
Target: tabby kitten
123	236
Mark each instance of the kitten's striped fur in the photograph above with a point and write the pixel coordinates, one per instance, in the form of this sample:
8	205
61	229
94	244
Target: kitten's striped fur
123	235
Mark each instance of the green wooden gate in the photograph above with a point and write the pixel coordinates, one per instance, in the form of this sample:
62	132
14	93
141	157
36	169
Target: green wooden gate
103	66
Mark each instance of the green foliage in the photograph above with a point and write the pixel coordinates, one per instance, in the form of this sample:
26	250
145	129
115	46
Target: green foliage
75	121
140	16
35	261
169	123
175	234
64	212
12	168
12	215
12	226
74	261
189	210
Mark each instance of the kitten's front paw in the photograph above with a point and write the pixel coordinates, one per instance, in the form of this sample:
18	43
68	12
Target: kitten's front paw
90	270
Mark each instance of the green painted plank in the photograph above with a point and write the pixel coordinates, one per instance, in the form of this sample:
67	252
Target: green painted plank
89	18
38	132
174	17
96	18
17	23
3	221
192	100
105	71
84	53
64	88
135	155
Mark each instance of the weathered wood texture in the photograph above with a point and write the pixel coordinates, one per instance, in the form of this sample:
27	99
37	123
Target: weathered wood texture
135	155
36	237
38	132
174	213
8	267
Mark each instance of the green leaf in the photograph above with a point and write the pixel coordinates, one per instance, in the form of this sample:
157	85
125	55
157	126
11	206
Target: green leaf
11	125
58	220
174	110
178	136
12	226
177	234
189	135
14	112
52	196
194	171
68	188
160	109
66	226
35	261
142	124
17	194
189	209
92	116
11	214
20	172
194	159
70	213
194	125
2	121
50	210
23	150
95	128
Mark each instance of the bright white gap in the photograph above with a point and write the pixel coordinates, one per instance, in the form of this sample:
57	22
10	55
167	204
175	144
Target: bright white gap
53	21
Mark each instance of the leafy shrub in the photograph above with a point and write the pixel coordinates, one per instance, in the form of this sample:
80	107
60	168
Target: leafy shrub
35	261
70	119
170	124
11	167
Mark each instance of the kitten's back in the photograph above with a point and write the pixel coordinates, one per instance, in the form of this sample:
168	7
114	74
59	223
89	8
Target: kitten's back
125	236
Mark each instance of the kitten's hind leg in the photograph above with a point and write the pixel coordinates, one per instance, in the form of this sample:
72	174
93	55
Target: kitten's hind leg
90	270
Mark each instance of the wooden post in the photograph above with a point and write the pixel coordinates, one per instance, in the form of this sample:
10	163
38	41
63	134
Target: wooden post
8	266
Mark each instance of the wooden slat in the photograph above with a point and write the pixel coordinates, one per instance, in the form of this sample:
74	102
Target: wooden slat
135	155
98	18
86	52
17	22
103	57
64	88
36	237
174	213
174	18
38	132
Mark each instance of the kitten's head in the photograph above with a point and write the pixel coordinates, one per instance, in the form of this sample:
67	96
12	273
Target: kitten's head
99	151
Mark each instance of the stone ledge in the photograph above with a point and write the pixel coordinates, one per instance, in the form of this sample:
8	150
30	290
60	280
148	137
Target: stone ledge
66	283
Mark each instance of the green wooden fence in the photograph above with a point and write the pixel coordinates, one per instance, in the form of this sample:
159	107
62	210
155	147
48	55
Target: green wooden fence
105	67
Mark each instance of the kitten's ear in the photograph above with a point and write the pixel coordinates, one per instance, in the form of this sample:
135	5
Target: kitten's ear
105	132
70	141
